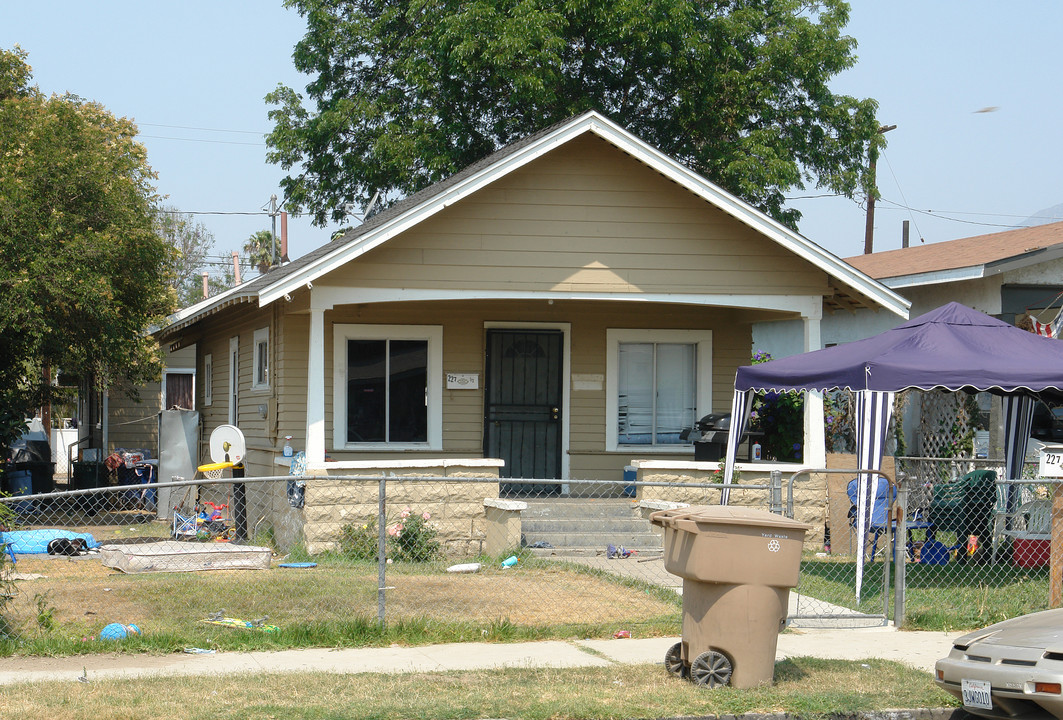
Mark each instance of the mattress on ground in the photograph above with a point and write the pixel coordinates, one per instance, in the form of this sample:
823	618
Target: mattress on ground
174	556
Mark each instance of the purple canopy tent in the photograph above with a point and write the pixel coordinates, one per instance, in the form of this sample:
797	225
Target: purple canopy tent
950	348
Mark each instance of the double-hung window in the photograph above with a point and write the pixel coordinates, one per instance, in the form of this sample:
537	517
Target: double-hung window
388	386
208	378
658	382
260	368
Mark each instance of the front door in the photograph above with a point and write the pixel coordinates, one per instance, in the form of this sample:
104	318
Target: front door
522	416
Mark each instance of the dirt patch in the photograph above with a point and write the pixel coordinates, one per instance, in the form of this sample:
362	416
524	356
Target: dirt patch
82	593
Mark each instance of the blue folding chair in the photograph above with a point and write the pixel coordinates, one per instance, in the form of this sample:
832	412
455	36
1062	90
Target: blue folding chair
878	508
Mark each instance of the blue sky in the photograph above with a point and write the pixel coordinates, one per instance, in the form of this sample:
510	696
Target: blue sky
185	71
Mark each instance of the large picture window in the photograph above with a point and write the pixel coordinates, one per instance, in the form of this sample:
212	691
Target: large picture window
658	385
388	392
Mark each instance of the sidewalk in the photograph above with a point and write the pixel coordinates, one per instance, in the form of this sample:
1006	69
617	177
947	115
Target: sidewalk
918	649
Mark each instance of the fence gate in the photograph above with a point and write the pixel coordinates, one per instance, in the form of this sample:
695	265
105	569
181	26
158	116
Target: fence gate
826	595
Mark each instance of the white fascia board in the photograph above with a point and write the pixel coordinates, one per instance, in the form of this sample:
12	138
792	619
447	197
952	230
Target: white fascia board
748	215
330	296
936	277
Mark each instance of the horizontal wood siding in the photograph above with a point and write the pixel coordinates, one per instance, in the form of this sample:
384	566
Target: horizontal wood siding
260	433
463	338
134	424
586	218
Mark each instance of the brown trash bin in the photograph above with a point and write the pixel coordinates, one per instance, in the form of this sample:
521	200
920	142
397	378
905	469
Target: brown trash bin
738	565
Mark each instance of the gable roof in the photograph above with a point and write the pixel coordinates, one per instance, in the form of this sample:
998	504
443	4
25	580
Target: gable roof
854	287
965	258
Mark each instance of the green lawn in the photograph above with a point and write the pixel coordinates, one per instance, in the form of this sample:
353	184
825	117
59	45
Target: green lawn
805	687
937	597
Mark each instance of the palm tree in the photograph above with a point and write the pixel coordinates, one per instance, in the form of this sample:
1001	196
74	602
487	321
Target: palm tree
261	249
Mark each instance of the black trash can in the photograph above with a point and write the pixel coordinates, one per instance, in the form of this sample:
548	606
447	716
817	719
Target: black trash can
43	474
18	482
89	475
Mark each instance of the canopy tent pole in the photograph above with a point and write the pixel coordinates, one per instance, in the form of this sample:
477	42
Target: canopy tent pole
1018	418
741	406
874	408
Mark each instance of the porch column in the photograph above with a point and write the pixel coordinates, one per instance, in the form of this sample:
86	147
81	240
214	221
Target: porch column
315	389
815	454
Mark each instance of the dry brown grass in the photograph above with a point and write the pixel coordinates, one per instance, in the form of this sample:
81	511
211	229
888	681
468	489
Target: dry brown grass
808	688
83	595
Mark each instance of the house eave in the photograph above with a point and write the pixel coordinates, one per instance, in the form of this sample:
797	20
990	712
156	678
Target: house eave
860	284
936	277
204	308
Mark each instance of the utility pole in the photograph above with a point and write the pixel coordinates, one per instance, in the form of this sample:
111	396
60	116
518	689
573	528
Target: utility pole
869	227
273	233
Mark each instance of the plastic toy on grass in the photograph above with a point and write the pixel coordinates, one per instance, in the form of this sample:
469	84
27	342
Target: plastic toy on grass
219	618
118	631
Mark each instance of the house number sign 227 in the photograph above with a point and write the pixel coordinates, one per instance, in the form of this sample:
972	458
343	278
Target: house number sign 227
1051	461
463	381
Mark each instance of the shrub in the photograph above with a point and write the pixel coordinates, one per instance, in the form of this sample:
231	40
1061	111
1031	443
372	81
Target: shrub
413	539
359	542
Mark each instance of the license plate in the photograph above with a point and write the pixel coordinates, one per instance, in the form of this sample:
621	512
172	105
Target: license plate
976	694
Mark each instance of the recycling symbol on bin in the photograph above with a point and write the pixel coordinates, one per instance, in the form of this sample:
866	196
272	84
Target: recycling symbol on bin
773	546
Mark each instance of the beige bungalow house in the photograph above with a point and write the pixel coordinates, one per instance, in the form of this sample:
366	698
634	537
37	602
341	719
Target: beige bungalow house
563	307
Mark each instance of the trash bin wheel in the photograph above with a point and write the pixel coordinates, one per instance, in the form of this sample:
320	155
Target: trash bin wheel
673	661
711	668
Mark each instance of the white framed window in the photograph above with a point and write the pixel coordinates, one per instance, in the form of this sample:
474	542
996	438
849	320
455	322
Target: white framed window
388	386
208	379
179	388
658	382
234	379
260	361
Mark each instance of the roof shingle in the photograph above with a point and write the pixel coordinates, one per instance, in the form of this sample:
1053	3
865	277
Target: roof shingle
961	253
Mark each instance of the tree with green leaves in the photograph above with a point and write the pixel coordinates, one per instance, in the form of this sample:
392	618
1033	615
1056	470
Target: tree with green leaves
82	270
406	92
192	242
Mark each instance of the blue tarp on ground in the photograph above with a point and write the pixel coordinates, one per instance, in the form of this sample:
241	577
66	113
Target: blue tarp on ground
35	542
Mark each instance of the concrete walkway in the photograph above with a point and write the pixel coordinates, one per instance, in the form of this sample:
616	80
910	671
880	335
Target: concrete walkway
918	649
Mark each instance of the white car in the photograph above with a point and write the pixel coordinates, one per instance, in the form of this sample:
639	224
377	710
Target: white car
1009	669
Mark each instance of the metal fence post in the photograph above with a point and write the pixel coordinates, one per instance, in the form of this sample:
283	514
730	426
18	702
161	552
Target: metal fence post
776	492
381	559
901	540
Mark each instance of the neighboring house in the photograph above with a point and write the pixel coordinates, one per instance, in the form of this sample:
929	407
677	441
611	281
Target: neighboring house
1005	274
133	424
566	305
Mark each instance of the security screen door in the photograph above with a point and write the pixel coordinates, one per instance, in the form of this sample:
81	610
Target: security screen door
522	414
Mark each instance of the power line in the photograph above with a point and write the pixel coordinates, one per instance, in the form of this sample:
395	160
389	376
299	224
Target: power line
212	212
189	127
901	191
939	214
200	140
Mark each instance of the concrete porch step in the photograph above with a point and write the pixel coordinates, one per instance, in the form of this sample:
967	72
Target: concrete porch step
585	527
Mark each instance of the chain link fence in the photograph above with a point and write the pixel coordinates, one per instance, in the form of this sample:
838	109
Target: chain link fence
978	543
315	557
307	554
